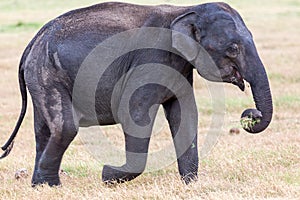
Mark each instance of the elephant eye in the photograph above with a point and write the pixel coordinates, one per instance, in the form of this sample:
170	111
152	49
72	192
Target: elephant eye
233	51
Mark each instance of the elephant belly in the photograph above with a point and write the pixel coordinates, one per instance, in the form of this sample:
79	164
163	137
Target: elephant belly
102	120
95	109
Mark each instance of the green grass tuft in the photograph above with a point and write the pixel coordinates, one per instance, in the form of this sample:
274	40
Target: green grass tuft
76	169
20	26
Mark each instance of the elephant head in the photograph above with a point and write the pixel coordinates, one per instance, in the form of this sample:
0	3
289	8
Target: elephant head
223	35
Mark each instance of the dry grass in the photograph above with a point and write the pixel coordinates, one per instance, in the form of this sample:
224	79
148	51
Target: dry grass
243	166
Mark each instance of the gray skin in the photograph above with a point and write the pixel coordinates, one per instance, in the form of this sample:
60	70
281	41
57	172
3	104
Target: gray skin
52	59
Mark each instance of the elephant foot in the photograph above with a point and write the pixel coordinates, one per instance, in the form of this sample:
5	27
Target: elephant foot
51	180
189	178
112	175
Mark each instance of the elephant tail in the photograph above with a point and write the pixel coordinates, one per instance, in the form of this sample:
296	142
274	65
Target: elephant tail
10	142
7	147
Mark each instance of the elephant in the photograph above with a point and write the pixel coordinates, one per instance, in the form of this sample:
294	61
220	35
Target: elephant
51	63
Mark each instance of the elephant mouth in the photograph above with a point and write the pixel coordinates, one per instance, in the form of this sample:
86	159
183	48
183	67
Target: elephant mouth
234	77
226	74
238	80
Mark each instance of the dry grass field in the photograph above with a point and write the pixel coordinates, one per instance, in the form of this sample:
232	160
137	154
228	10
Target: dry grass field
240	166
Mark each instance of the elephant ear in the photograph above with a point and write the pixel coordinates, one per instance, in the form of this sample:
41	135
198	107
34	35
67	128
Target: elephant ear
184	34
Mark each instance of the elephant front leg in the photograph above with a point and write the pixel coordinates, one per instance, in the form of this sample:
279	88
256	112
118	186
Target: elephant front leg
137	131
183	119
136	158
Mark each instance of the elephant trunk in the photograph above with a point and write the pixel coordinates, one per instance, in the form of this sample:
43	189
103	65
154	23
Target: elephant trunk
257	120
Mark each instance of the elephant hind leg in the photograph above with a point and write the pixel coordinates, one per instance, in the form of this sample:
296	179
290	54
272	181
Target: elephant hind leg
42	135
56	108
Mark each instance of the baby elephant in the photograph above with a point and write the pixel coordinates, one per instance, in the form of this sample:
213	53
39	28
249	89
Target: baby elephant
116	63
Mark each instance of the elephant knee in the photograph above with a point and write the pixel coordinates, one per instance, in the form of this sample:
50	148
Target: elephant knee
64	132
